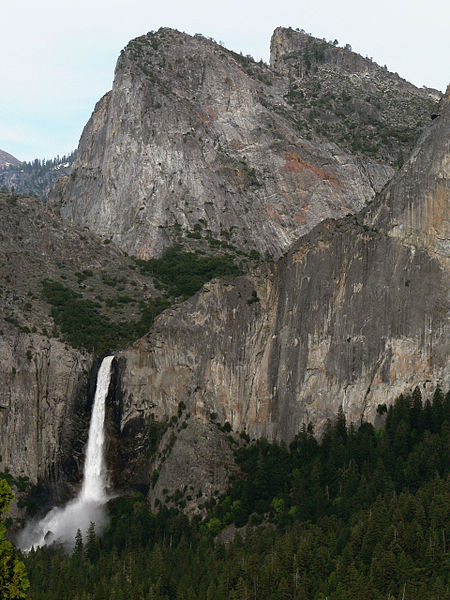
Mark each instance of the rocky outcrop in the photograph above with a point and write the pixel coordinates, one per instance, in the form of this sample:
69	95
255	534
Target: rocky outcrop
6	160
194	137
354	314
297	53
350	99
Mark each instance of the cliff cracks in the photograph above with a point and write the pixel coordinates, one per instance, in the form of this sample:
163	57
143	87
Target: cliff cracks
37	404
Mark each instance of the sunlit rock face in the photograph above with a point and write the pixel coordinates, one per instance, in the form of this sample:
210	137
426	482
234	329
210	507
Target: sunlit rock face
195	136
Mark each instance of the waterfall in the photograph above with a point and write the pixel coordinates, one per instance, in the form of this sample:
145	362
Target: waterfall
94	476
61	523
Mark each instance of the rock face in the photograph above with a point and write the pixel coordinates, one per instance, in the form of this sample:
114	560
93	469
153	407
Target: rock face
194	136
354	314
41	381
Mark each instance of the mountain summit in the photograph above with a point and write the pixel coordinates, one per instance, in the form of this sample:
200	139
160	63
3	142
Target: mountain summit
7	160
195	139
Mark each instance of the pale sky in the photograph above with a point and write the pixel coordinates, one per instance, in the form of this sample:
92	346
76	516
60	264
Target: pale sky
58	57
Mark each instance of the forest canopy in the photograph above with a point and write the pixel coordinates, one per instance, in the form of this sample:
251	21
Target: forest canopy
361	514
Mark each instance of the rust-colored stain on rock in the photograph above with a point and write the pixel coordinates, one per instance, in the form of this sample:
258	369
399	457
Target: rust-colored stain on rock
211	112
273	214
301	218
295	164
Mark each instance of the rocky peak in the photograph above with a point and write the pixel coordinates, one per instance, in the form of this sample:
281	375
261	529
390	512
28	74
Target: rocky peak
196	140
7	160
299	53
341	95
288	45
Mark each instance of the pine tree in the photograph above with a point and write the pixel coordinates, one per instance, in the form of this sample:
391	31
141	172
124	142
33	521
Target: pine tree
416	410
78	548
283	591
91	543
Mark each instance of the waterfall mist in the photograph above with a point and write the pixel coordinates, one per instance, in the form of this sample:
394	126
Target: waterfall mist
60	524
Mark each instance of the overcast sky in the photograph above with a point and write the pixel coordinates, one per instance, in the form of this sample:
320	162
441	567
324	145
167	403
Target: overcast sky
58	57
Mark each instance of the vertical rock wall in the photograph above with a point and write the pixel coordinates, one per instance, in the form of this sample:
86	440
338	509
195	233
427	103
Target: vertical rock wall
41	382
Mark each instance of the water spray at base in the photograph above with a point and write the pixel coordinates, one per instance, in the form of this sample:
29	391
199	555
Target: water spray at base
60	524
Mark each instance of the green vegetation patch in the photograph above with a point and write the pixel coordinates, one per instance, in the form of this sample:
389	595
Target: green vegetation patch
14	582
84	326
347	470
183	273
82	323
22	483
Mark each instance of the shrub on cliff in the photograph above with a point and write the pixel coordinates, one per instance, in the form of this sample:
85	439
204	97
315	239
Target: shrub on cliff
183	273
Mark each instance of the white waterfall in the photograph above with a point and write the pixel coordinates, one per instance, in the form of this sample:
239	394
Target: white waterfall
94	478
61	524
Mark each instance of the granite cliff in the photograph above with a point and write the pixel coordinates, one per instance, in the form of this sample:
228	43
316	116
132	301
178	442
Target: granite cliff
354	314
193	137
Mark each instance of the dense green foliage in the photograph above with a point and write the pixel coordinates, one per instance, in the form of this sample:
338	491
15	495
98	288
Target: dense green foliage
361	515
13	577
84	326
348	469
183	273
